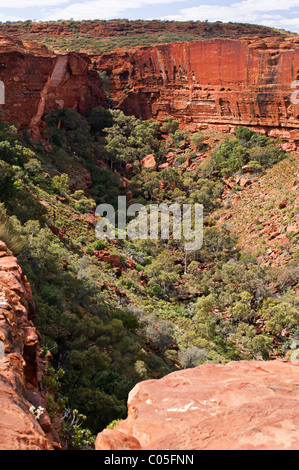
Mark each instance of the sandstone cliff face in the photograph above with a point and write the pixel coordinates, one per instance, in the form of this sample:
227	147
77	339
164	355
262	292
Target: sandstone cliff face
37	81
239	406
21	367
212	83
219	82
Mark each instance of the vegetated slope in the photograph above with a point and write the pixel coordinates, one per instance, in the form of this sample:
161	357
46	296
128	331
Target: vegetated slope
112	313
265	212
102	36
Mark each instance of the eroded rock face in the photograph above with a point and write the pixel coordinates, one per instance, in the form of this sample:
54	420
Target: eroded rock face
21	367
37	81
223	82
242	405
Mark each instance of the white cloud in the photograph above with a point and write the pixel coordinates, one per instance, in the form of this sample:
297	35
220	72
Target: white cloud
4	18
100	9
30	3
266	5
265	12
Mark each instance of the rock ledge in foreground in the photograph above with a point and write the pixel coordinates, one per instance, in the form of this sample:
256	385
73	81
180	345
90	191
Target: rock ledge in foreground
246	405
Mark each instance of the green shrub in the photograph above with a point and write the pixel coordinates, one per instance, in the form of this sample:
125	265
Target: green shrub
197	139
9	235
96	246
248	148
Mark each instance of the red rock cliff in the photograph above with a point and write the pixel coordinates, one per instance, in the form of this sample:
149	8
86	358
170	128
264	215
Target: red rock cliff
21	367
37	81
246	405
216	82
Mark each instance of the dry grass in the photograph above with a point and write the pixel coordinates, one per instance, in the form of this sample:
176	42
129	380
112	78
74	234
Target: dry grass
8	234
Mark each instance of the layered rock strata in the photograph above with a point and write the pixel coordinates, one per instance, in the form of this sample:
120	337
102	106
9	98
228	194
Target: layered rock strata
37	81
24	422
219	82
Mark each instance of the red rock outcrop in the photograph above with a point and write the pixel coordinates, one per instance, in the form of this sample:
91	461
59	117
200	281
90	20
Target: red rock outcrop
149	161
246	405
37	81
218	82
21	367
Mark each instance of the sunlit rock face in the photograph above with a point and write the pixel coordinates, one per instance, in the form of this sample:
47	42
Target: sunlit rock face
246	405
24	421
249	81
36	81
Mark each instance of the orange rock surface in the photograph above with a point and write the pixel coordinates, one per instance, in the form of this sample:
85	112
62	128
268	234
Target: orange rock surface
37	81
20	364
218	82
149	161
246	405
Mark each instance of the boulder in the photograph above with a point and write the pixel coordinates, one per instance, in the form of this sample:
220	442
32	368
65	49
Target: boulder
149	161
245	405
283	204
111	439
109	258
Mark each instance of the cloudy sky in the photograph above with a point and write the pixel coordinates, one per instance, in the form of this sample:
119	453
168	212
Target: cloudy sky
276	13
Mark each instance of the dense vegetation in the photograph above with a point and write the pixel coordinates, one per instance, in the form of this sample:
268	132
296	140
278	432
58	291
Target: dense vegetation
100	346
109	327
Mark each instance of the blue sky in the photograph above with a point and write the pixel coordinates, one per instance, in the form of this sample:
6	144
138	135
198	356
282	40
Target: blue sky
277	13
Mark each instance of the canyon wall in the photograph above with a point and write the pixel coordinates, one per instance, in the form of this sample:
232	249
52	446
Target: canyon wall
37	81
210	83
219	82
21	365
